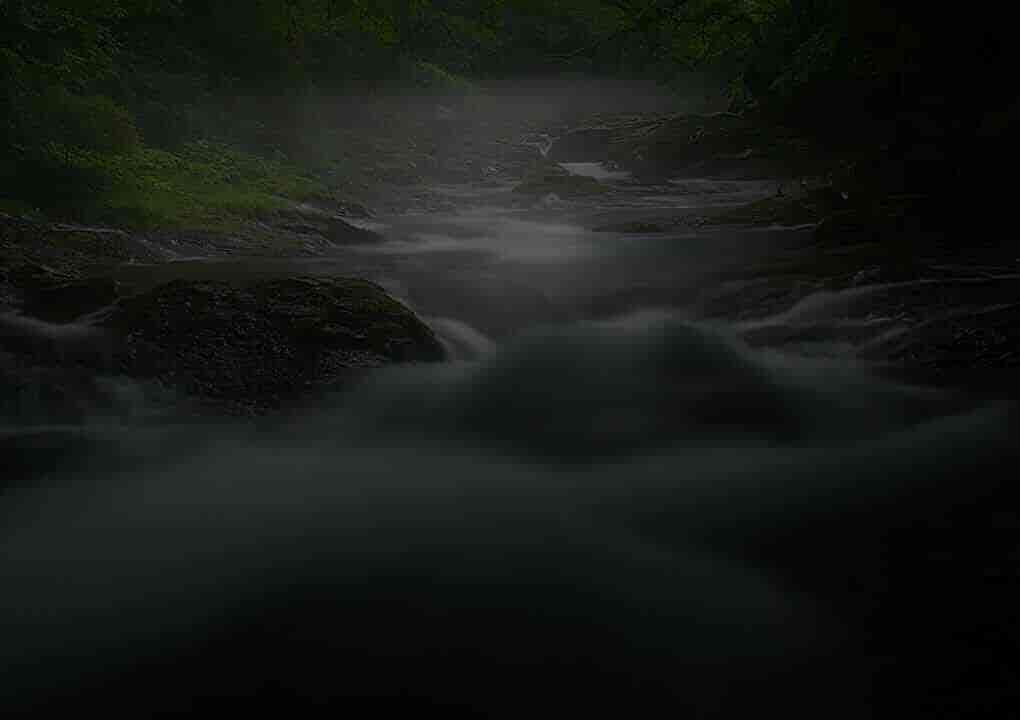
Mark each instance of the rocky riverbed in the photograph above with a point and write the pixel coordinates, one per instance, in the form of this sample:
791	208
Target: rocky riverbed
237	345
864	279
581	399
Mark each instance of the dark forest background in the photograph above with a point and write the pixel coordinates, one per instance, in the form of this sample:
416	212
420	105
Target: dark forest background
110	103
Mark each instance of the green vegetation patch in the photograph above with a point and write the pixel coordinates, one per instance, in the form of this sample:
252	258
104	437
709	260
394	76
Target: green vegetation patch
202	186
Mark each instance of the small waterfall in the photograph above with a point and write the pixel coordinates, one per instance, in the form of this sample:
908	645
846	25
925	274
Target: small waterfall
461	341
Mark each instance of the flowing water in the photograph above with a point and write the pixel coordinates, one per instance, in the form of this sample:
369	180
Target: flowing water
606	500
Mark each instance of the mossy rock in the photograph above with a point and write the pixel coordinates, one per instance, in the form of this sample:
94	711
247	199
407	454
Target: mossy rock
66	252
250	346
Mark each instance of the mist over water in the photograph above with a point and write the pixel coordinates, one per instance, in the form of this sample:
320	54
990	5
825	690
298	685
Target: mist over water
605	501
635	503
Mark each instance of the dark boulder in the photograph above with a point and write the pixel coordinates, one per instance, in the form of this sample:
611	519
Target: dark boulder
258	345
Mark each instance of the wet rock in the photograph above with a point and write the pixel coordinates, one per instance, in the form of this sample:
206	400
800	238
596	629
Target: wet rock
258	345
791	206
550	178
350	209
67	301
582	145
89	247
635	227
721	145
955	344
39	253
27	276
309	220
340	232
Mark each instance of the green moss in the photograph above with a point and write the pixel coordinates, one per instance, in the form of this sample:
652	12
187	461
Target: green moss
212	185
202	186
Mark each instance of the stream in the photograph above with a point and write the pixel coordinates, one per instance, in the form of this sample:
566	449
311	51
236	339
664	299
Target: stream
643	477
496	264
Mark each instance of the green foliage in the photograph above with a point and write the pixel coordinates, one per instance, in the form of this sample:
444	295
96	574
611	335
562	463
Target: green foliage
63	41
205	185
82	81
52	179
85	122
